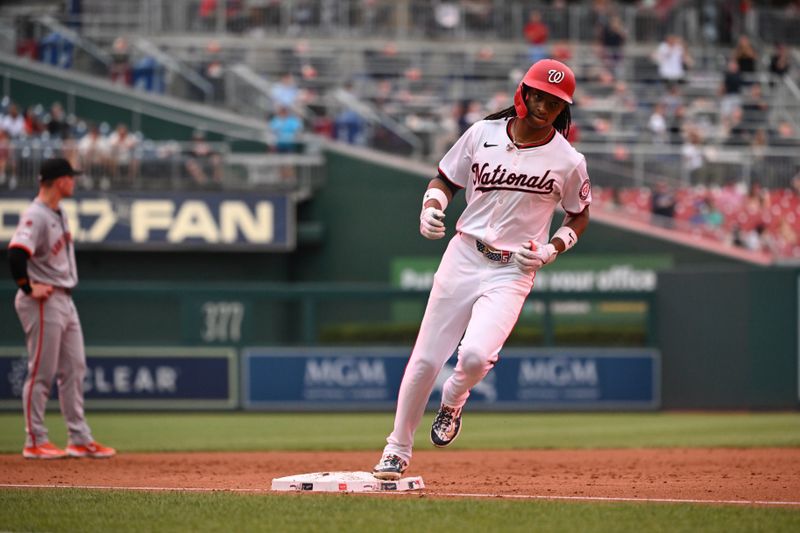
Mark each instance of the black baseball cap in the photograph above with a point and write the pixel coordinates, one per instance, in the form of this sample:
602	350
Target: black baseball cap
56	167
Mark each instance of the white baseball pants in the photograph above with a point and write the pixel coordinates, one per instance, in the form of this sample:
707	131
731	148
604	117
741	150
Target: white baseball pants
473	300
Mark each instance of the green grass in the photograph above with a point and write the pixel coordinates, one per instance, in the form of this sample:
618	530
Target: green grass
143	432
88	510
118	511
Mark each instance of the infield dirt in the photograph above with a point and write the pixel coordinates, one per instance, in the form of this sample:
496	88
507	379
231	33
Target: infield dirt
713	474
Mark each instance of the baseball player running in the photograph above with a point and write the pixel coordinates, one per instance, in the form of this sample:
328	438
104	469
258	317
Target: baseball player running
42	258
515	167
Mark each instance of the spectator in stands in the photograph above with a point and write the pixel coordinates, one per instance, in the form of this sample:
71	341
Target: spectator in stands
663	204
13	123
706	212
472	112
93	152
207	14
785	135
57	125
27	46
120	70
302	16
213	70
734	131
730	90
784	241
757	199
149	75
349	127
69	151
750	239
675	112
285	93
731	195
758	148
203	161
33	125
779	63
7	161
287	128
349	124
235	16
121	146
746	22
692	157
612	39
536	34
477	14
672	59
673	100
599	14
657	125
755	107
747	58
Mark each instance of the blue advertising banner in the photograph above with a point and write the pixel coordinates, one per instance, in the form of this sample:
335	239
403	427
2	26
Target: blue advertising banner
174	221
140	378
523	379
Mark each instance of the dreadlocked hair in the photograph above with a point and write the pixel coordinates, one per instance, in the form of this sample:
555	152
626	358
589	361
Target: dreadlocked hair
505	113
562	123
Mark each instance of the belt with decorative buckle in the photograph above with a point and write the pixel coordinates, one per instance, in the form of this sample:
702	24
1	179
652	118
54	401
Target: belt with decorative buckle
501	256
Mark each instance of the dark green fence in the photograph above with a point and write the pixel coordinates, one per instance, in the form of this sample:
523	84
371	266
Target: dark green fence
728	338
246	314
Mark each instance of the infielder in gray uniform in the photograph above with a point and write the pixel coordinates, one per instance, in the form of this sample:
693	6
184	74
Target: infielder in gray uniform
42	259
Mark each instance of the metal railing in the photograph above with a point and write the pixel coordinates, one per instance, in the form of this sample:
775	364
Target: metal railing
636	165
163	165
177	70
701	22
251	94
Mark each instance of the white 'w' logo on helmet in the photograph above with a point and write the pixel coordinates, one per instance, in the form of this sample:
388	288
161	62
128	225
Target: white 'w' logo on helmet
555	76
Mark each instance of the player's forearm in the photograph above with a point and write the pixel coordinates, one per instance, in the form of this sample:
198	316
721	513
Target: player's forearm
18	262
577	223
431	199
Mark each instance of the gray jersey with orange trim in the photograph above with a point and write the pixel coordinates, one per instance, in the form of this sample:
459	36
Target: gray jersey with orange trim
44	234
53	332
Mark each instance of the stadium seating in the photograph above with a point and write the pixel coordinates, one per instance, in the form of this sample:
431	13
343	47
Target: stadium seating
408	77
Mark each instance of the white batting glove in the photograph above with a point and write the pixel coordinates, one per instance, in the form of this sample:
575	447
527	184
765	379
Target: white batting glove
431	224
532	256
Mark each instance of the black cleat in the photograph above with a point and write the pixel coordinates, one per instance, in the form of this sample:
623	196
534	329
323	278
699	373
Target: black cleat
446	426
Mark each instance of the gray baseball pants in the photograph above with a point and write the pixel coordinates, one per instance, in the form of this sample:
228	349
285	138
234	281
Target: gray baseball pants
55	351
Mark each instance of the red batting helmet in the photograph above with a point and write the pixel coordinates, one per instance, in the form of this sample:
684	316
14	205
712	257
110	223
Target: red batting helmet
547	75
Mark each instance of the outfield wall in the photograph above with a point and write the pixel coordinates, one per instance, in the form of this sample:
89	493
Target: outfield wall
345	379
729	338
723	339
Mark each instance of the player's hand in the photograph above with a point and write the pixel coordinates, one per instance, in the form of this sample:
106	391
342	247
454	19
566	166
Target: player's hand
41	291
431	223
532	255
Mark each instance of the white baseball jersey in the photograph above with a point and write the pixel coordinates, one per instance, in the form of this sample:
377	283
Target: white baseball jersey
45	235
512	191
